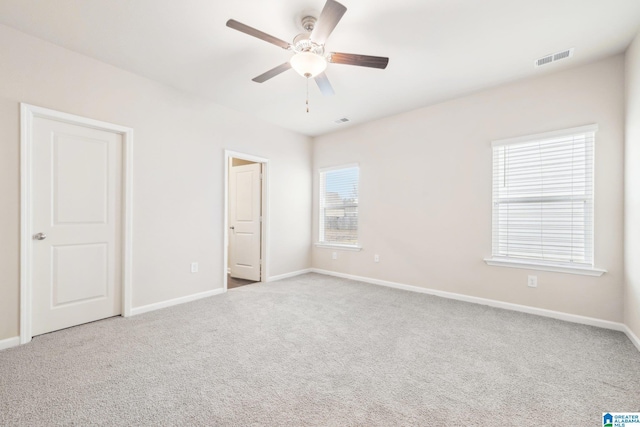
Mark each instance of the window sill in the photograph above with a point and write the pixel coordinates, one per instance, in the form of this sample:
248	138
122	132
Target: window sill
340	247
585	271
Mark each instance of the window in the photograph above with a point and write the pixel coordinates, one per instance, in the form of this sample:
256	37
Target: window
339	206
543	199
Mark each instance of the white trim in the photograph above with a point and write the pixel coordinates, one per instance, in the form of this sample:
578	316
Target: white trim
542	199
339	247
584	271
574	318
633	337
264	250
287	275
321	212
9	342
176	301
27	114
545	135
337	167
26	120
127	223
499	259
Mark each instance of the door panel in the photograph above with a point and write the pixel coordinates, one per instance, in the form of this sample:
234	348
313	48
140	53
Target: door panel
82	201
80	273
243	245
245	207
244	199
76	202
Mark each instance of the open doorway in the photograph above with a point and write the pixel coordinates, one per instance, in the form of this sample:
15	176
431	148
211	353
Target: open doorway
246	219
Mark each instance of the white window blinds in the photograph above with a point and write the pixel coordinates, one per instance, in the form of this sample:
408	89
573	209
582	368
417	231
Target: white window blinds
543	198
339	205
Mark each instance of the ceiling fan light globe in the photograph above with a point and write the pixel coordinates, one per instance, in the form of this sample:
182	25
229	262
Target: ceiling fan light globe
308	64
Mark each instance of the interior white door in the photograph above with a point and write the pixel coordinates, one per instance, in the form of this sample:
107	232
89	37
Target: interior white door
76	225
245	209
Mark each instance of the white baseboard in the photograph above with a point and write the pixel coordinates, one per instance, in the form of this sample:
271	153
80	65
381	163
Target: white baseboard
176	301
287	275
9	342
633	337
574	318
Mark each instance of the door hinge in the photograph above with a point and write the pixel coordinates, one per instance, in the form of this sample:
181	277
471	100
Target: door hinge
260	219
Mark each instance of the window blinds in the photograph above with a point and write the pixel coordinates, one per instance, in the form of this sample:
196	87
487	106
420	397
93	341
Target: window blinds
543	198
339	205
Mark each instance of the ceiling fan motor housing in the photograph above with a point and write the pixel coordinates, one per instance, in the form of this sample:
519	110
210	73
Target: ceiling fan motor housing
302	43
309	23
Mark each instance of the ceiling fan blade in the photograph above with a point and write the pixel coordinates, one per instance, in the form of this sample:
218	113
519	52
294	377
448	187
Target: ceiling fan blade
232	23
272	73
329	18
359	60
324	85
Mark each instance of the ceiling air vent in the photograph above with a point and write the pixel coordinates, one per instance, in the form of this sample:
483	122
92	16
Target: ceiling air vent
558	56
342	120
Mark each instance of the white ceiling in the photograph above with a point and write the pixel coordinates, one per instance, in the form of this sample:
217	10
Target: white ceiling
438	49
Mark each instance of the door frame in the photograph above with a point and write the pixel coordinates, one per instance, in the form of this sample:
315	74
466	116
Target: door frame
264	229
27	115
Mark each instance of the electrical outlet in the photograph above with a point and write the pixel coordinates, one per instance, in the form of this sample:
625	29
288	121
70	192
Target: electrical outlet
334	255
532	281
376	258
194	267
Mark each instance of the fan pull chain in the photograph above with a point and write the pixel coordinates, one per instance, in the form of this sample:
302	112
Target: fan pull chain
307	95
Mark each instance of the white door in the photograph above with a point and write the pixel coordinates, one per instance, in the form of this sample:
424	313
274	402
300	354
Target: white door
245	208
76	225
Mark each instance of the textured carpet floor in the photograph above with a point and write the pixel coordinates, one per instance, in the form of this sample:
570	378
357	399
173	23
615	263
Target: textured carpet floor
315	350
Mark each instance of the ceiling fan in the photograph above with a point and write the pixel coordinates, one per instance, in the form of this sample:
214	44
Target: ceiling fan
309	58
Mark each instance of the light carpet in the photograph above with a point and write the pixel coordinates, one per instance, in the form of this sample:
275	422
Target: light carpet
317	350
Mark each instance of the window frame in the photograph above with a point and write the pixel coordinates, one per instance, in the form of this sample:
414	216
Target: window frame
330	245
540	264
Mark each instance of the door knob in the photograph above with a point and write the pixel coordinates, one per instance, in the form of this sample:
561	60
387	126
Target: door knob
40	236
232	227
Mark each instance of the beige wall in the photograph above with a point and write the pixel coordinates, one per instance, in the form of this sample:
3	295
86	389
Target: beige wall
425	190
425	181
632	189
178	170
